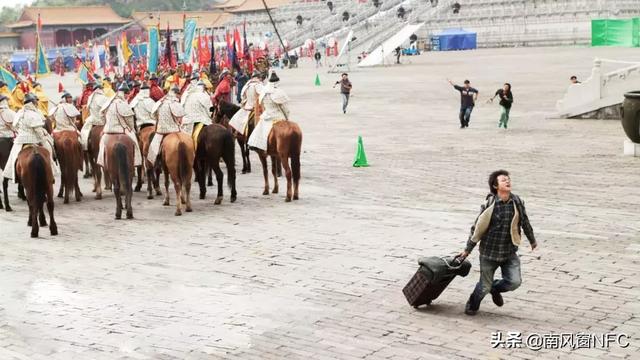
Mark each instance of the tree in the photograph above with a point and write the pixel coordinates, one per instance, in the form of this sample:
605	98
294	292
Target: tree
9	15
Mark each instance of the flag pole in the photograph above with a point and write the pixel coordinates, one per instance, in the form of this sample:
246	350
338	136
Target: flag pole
286	53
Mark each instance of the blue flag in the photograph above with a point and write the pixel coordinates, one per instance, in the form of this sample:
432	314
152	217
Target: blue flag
42	65
8	78
189	35
152	50
83	74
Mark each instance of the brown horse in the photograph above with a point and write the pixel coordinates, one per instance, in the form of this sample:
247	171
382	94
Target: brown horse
33	169
93	149
222	114
215	142
153	172
119	164
69	153
284	142
177	161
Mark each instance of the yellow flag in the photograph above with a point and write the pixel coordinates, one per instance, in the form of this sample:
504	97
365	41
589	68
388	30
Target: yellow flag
126	52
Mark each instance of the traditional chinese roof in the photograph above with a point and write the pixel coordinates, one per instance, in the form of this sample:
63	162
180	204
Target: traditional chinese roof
68	15
240	6
204	19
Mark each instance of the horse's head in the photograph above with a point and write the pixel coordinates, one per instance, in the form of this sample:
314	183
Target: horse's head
224	111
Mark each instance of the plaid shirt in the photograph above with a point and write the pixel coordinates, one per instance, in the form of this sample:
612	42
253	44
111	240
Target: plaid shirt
496	244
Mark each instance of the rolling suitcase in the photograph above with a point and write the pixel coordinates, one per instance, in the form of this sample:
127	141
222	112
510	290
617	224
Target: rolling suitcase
433	276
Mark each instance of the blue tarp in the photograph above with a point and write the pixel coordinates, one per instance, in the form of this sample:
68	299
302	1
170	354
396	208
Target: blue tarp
454	39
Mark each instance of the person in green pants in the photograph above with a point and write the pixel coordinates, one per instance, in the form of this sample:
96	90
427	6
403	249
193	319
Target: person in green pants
506	100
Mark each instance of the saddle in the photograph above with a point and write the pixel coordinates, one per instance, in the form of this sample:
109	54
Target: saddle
196	134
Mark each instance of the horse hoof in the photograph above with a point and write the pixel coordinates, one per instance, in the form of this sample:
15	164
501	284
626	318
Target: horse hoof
129	216
34	235
66	201
54	230
210	183
94	190
178	213
287	199
244	171
60	195
189	209
166	203
137	189
295	197
78	198
149	197
218	201
233	199
8	209
266	192
158	193
274	191
98	196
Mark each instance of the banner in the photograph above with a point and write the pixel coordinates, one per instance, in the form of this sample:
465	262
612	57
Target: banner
8	78
96	58
189	35
126	51
83	74
152	50
42	64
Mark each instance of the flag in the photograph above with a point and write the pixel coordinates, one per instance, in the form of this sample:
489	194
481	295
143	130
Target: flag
39	23
152	49
8	78
126	51
228	39
168	53
237	42
189	34
42	64
60	87
234	57
212	60
107	57
245	48
96	58
83	74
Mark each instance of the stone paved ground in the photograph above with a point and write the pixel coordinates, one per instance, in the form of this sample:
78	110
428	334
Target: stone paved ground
322	277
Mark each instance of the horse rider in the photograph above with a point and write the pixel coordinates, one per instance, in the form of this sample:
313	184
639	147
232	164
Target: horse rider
168	113
6	121
223	90
274	102
197	105
29	123
142	106
65	114
83	99
95	103
189	87
155	90
249	97
119	119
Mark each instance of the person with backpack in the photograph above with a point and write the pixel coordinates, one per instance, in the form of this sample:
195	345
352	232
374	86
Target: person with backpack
498	230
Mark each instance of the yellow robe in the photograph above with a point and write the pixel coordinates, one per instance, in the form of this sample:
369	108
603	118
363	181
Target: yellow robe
43	101
5	91
17	99
107	89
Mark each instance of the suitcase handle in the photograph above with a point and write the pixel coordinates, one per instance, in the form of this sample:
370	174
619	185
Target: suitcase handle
458	259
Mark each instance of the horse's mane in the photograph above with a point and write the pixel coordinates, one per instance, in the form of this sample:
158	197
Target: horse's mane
226	107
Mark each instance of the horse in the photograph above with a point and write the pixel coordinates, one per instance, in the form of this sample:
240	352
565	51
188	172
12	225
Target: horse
215	141
119	164
284	142
145	137
5	149
226	110
69	153
177	162
85	154
33	169
93	147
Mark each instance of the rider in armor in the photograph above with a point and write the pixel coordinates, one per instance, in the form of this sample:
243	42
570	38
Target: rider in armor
168	113
274	101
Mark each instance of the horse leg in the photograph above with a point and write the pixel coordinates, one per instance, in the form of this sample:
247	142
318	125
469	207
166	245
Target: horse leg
139	183
274	170
108	185
68	186
61	191
201	170
247	152
210	178
5	188
53	227
229	161
150	181
97	178
43	219
177	186
166	186
87	165
186	191
215	164
244	158
278	166
265	172
127	198
21	194
77	190
33	220
287	171
116	192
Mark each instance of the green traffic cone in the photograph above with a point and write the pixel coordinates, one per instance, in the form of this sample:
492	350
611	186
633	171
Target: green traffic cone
317	80
361	158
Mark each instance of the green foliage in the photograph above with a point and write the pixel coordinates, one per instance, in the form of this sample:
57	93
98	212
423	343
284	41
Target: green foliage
9	14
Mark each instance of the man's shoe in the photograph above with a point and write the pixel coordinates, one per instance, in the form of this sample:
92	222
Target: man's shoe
468	310
497	298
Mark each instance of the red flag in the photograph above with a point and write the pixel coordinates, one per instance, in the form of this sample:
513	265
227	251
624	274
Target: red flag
236	39
60	87
39	23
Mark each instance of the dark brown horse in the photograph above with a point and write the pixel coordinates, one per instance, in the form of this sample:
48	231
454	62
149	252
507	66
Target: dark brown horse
145	137
177	162
119	164
33	169
215	142
222	114
69	153
284	142
5	149
93	149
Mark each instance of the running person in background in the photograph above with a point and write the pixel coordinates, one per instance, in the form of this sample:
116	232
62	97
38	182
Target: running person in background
345	90
468	97
506	100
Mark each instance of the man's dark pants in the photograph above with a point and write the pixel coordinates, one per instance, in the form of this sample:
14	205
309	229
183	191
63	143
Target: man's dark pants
510	281
465	115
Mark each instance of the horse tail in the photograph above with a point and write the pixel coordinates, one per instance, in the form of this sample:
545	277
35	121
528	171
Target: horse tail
121	156
183	162
76	150
38	186
295	147
229	157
